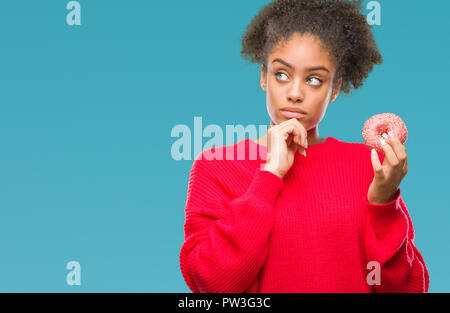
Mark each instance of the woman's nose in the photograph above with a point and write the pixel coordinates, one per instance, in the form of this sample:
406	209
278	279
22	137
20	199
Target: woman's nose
296	93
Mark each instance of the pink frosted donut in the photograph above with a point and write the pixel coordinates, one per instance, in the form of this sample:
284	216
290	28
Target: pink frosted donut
375	126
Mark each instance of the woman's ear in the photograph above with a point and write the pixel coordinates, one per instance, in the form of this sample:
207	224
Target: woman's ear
263	78
336	90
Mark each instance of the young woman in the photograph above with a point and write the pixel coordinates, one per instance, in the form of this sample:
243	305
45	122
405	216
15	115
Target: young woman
331	220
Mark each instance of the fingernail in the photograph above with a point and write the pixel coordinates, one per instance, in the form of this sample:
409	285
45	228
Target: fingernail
383	142
304	153
306	143
385	136
391	134
373	151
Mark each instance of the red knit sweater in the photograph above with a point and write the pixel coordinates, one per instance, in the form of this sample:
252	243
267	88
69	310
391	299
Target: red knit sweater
247	230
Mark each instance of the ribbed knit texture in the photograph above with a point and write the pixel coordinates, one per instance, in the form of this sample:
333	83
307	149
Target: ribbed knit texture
247	230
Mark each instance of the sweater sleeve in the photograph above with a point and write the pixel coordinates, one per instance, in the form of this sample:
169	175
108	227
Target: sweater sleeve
389	241
226	239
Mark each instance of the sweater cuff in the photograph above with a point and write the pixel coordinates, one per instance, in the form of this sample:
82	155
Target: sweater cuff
385	213
265	186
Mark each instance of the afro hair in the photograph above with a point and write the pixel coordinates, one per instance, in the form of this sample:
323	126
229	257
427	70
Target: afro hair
343	31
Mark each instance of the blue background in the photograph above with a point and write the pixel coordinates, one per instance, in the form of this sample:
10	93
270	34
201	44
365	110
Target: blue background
86	113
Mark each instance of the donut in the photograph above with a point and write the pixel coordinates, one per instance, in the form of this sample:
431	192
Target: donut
378	124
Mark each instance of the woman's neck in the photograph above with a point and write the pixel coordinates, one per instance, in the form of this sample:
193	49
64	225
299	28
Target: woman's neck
313	137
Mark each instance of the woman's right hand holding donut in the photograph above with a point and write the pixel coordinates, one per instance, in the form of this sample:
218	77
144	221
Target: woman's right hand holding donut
283	140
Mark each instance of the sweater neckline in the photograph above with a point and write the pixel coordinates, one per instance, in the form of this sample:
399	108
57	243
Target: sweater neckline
327	141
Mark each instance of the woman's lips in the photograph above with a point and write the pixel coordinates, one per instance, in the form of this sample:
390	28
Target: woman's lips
290	114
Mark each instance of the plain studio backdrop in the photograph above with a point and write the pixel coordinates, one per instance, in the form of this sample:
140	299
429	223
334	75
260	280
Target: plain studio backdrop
86	113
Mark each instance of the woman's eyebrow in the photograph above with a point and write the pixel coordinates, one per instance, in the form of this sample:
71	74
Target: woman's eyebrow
315	68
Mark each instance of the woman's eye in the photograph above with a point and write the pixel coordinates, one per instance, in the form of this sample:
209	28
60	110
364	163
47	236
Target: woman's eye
279	73
318	81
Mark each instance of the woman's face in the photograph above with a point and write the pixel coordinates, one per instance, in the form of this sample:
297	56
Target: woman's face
300	75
